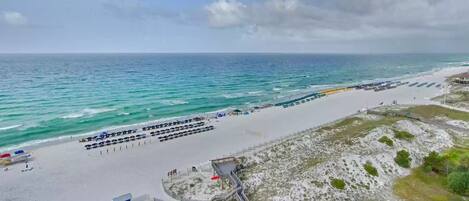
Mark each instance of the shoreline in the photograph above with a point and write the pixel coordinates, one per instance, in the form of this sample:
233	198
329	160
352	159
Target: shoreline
69	170
34	144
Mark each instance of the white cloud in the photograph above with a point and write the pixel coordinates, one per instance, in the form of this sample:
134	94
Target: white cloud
14	18
308	20
226	13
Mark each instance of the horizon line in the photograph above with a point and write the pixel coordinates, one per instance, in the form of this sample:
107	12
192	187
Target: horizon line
235	52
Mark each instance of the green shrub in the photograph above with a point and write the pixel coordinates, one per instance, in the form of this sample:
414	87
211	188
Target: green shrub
459	182
385	140
402	159
464	163
338	183
436	163
403	135
370	169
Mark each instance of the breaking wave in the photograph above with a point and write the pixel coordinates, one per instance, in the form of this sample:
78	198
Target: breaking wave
10	127
174	102
87	113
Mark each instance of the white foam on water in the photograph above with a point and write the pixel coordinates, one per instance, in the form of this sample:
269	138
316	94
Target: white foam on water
88	112
174	102
234	95
243	94
320	86
255	92
293	90
276	89
10	127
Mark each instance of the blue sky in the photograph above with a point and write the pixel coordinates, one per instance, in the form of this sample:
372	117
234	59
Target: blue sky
319	26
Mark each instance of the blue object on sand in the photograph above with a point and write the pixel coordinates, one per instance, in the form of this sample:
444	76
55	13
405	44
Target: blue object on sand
19	152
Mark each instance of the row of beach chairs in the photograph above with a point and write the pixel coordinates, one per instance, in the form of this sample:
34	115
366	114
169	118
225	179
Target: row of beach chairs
381	86
428	85
178	128
185	133
115	141
168	124
107	135
299	102
390	85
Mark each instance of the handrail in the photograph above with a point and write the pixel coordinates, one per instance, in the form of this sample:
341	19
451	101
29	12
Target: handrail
237	184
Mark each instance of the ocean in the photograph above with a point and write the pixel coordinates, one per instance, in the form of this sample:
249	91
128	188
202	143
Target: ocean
46	96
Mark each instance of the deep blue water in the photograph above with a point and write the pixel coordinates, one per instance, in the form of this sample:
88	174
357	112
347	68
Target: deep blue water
50	95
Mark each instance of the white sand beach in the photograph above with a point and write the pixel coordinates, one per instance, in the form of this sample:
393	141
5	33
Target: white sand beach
66	171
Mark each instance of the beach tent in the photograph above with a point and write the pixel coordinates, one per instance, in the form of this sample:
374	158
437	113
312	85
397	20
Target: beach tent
5	159
5	155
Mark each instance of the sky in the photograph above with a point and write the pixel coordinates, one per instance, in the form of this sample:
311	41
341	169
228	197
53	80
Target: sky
306	26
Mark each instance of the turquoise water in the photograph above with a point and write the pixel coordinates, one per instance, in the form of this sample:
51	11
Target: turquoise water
52	95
